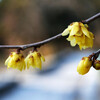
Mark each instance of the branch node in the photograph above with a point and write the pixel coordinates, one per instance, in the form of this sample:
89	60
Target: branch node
18	50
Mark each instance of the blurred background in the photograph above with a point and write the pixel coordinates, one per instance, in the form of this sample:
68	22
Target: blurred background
29	21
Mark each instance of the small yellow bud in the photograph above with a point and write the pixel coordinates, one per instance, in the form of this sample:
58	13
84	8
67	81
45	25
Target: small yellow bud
34	59
15	61
84	65
97	64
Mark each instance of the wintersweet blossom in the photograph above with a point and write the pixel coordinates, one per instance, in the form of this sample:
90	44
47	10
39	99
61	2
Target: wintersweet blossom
84	65
79	34
15	61
34	59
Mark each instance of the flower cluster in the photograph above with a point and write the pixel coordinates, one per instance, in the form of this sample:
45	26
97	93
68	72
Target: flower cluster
79	34
17	61
86	63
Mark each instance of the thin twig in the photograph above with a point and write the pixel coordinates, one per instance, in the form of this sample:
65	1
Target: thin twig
87	21
38	44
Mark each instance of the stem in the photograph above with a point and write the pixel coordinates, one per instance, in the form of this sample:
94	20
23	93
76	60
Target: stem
95	54
18	50
91	18
38	44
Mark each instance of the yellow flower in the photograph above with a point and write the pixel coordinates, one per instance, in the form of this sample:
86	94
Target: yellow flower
79	34
34	60
15	61
97	64
84	65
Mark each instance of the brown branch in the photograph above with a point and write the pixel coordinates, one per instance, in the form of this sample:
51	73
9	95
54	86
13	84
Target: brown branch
38	44
95	54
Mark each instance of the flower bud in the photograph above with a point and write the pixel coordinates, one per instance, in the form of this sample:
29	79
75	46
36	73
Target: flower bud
97	64
34	59
15	61
84	65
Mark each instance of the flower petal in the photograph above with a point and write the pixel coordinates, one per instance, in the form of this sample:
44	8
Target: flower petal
72	40
65	32
37	60
85	31
79	33
42	58
74	30
91	35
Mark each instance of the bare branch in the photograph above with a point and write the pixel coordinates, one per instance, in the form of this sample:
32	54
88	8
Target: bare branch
91	18
38	44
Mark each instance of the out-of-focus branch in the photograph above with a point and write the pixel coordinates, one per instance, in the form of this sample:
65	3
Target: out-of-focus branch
38	44
95	54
